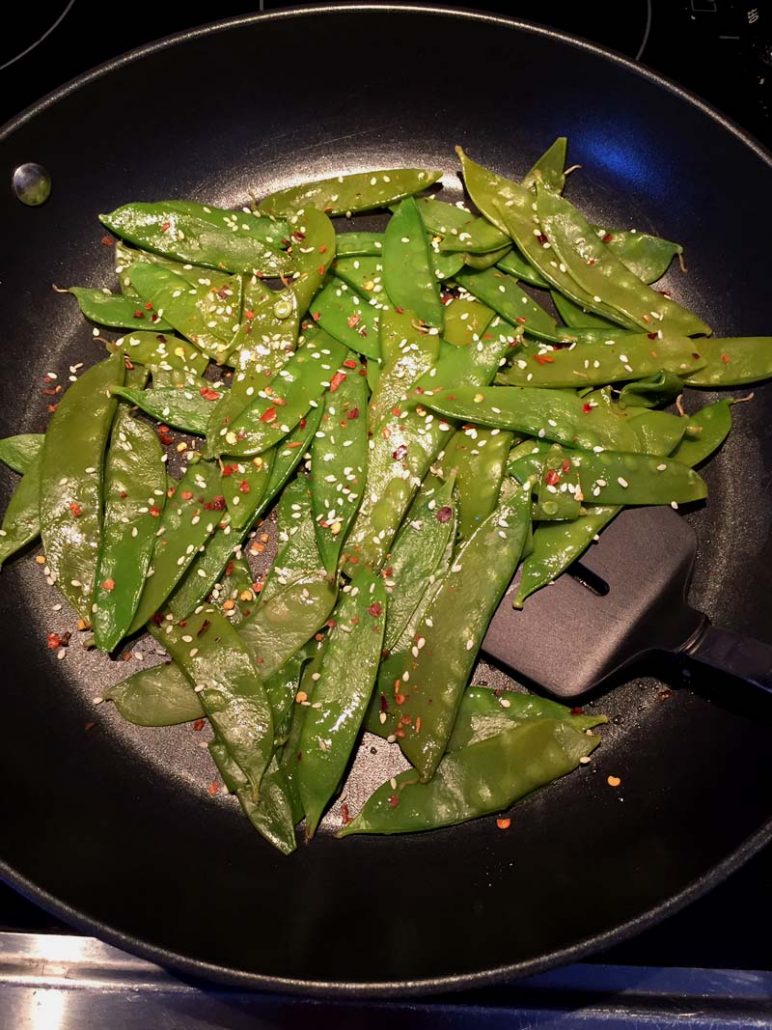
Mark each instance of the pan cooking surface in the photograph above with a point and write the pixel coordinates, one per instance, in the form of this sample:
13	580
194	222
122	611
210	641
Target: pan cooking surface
111	826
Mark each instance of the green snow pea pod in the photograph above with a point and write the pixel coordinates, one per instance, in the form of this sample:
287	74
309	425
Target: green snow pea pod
408	274
313	253
347	317
576	245
363	274
445	266
21	521
135	496
479	262
339	702
465	321
158	696
359	244
268	332
217	662
652	392
647	257
296	388
515	264
612	478
298	549
477	456
338	464
549	169
408	351
274	816
483	714
477	780
114	310
187	409
436	668
21	452
706	430
615	360
507	297
188	520
72	477
345	194
461	231
206	312
575	317
162	350
733	361
126	257
234	241
281	689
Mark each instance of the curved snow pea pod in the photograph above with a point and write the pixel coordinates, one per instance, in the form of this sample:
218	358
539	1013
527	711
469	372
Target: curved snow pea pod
612	478
483	714
461	231
114	310
549	169
575	317
347	317
188	410
135	495
448	637
338	464
479	262
190	517
206	311
345	194
408	352
465	321
445	266
298	549
234	594
217	662
558	491
654	432
652	392
274	816
477	456
21	452
359	244
235	241
21	520
269	418
162	350
71	480
733	361
507	297
515	264
706	430
363	274
594	364
408	274
477	780
338	703
600	273
647	257
159	696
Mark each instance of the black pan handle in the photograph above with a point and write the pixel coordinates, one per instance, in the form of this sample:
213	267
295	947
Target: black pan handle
747	659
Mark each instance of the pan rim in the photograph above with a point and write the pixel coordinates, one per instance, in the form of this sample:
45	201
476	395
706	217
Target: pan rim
455	981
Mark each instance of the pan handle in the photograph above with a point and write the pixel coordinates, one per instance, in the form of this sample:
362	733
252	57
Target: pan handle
747	659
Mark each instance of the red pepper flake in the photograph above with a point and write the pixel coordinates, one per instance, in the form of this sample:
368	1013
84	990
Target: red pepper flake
521	320
298	235
399	699
552	478
323	248
352	413
400	452
544	359
400	311
123	495
653	336
587	408
108	584
345	816
227	470
352	322
316	315
375	610
577	711
607	238
203	628
75	510
51	391
725	359
52	408
444	514
216	504
396	411
350	363
198	725
696	356
244	487
664	695
209	394
393	800
383	703
187	495
107	241
213	789
321	270
249	315
148	305
565	465
542	238
503	823
157	619
166	226
337	380
139	313
229	568
331	623
446	298
57	640
269	415
155	511
399	733
165	435
303	423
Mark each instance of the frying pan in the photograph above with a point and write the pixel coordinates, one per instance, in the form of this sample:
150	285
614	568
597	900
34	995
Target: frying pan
110	827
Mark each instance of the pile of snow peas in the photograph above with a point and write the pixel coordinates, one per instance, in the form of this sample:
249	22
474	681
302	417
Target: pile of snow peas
477	389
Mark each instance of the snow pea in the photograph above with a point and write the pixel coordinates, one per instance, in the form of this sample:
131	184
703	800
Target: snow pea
21	520
461	231
158	696
135	495
615	360
408	351
161	350
575	317
363	274
281	689
612	478
347	317
185	409
277	409
477	456
651	392
445	266
206	312
217	662
465	321
190	517
338	464
298	549
647	257
274	816
234	241
706	430
71	480
408	274
435	670
268	331
507	297
21	452
345	194
114	310
515	264
485	777
338	702
548	171
733	361
359	244
479	262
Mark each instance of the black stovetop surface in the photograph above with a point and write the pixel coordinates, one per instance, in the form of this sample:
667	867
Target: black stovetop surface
720	50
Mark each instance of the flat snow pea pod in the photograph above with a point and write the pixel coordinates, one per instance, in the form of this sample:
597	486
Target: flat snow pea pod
465	321
126	256
341	694
161	349
363	274
21	452
706	430
339	464
347	317
549	169
206	312
159	696
448	638
599	272
613	478
477	456
461	231
479	262
445	266
190	517
483	714
281	689
114	310
593	364
652	392
298	548
359	244
217	662
575	317
345	194
408	352
235	241
21	521
185	409
733	361
515	264
477	780
297	387
71	480
408	274
507	297
647	257
274	816
135	495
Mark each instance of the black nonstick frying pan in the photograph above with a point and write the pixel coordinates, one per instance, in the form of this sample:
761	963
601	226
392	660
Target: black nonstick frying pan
112	828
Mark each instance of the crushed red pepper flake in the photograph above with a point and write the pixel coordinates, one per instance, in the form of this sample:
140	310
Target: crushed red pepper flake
216	504
544	359
75	510
552	478
186	495
213	789
209	394
165	435
351	414
345	816
337	380
350	363
108	584
587	408
503	823
400	452
375	609
155	511
244	487
107	241
198	725
444	514
393	800
269	415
